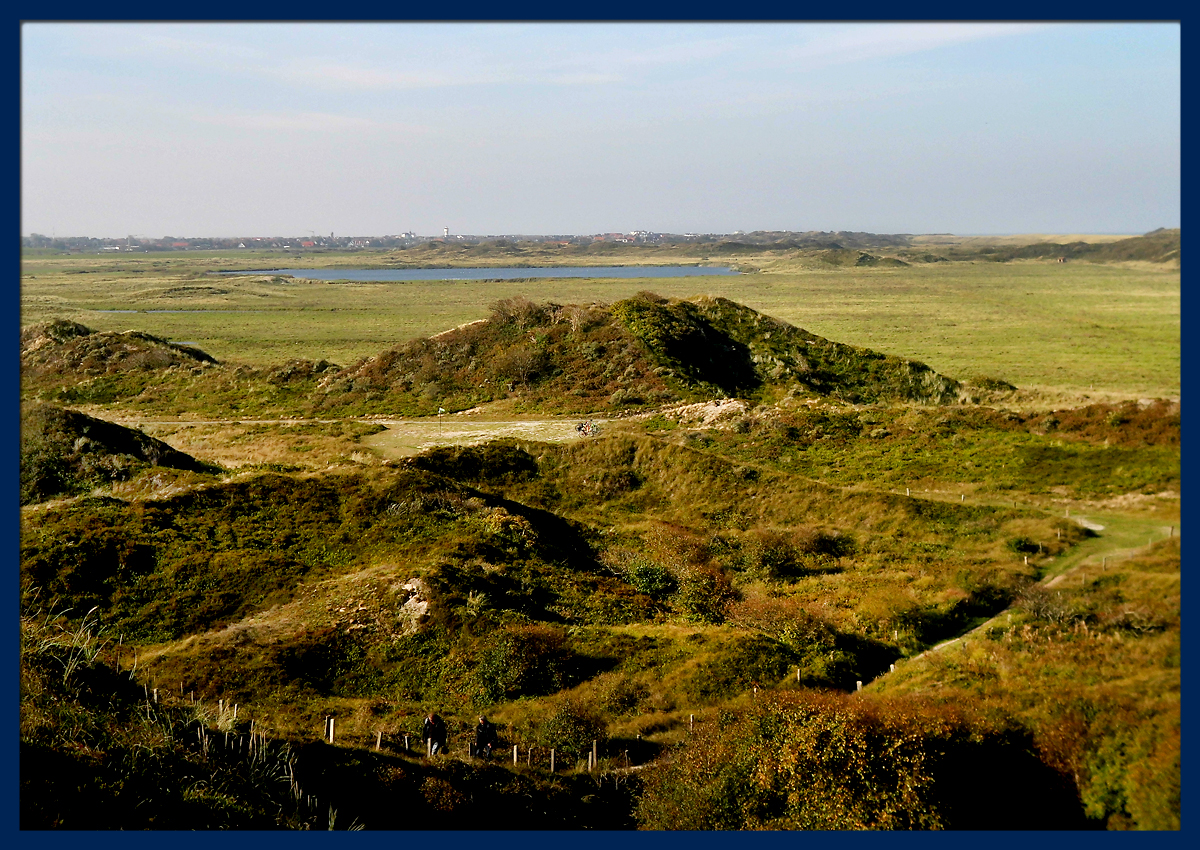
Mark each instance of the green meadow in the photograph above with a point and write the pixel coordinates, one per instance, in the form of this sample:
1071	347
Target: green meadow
1059	330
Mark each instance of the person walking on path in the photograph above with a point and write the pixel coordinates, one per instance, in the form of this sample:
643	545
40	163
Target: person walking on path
485	738
434	731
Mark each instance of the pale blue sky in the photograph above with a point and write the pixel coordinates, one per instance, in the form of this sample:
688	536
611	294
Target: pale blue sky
371	129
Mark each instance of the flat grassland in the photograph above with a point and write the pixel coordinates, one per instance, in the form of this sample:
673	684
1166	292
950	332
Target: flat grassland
1065	333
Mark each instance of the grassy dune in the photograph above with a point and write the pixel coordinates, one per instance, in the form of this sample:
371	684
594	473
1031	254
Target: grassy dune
708	579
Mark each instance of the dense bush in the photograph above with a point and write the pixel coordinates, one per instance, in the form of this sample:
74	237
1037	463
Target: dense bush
806	761
495	462
521	661
792	553
747	663
569	728
704	594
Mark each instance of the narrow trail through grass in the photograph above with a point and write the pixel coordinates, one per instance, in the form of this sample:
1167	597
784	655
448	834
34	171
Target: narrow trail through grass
1115	541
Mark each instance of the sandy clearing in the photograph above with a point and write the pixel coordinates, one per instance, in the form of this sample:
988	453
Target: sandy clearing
407	437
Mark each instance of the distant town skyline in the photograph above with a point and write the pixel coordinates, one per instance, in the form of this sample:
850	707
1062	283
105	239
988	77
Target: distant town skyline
363	240
274	129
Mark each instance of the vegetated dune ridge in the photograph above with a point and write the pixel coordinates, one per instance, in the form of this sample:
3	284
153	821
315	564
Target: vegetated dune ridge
1158	246
637	354
610	591
65	452
640	352
71	350
834	247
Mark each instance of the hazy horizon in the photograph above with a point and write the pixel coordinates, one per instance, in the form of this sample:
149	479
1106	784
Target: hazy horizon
513	235
274	129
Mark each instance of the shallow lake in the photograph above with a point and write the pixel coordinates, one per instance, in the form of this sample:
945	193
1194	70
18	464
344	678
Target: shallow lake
499	273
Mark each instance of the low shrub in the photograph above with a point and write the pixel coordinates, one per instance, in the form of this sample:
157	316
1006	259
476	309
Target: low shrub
807	761
521	661
757	661
570	727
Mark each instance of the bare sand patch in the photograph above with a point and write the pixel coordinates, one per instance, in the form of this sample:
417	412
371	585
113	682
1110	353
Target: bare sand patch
407	437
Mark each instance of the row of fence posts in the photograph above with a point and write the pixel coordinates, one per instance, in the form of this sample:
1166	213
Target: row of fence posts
593	757
222	706
329	732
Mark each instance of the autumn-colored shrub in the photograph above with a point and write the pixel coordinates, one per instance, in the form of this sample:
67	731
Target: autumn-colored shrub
807	761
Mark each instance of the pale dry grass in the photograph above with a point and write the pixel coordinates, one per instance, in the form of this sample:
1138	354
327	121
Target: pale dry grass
234	445
407	437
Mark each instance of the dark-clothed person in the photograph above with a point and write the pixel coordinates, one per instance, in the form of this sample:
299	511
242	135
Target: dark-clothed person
485	738
434	731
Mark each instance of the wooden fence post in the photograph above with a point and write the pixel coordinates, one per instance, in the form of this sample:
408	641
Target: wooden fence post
858	686
378	738
552	759
156	696
595	757
331	722
406	743
691	723
514	755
